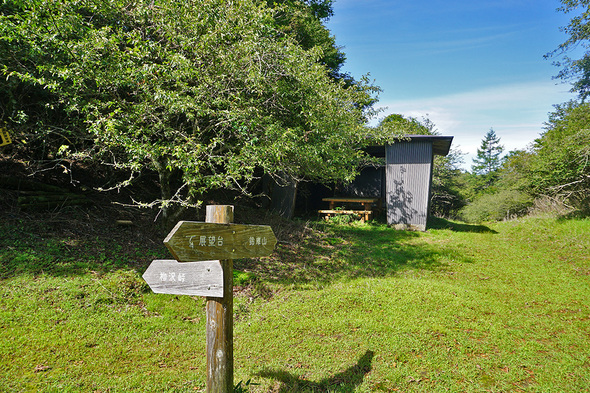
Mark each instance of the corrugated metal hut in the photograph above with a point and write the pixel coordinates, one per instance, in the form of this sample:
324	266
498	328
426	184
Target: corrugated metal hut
404	183
408	179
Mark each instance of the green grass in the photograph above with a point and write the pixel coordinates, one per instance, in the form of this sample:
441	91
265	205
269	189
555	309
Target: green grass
351	308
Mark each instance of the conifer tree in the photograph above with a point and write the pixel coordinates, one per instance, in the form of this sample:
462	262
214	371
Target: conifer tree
489	159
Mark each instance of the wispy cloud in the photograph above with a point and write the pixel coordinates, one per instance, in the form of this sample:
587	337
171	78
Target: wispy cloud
437	47
516	112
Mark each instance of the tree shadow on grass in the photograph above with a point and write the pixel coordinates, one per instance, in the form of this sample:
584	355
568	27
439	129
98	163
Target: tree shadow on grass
441	223
350	252
69	247
346	381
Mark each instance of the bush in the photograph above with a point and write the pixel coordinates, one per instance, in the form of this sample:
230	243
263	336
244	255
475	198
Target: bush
504	204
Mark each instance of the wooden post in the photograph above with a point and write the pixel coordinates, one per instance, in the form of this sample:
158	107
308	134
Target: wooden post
220	318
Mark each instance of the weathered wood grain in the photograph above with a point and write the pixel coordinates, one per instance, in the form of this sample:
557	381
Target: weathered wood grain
193	241
204	278
220	319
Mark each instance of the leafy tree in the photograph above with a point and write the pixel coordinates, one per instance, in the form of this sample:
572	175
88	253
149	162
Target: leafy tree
488	160
29	109
507	198
303	20
560	163
394	126
578	30
513	173
206	93
447	197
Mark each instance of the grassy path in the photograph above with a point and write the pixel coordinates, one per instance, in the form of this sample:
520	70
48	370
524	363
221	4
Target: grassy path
361	308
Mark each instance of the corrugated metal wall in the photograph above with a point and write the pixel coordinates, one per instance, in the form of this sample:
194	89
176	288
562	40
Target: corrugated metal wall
369	184
408	179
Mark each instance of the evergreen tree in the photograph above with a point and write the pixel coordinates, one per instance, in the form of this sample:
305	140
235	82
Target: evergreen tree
488	160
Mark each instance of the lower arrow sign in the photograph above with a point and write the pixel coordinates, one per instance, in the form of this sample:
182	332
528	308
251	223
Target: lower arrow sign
203	278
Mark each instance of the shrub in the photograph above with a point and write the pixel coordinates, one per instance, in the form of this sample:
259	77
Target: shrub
504	204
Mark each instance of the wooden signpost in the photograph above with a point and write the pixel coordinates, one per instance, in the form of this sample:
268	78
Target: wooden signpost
217	238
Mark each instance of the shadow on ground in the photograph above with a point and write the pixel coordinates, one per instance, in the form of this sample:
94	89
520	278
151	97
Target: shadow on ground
441	223
346	381
75	243
350	252
80	240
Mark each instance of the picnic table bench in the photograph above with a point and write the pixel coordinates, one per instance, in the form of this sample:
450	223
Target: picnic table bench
343	202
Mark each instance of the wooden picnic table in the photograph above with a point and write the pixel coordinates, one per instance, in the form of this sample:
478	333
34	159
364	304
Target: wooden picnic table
343	201
366	202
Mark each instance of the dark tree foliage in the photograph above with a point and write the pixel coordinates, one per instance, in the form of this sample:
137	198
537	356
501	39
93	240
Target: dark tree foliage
206	92
303	20
447	198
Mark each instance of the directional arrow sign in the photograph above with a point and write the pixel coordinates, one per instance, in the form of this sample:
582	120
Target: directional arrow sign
193	278
194	241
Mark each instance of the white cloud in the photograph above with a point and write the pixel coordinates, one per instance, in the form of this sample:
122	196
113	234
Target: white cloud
516	112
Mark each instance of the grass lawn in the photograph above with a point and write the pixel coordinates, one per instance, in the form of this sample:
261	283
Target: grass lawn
352	308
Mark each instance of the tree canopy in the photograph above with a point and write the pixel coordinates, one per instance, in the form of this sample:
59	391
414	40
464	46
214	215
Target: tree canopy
204	92
303	20
575	70
396	126
560	163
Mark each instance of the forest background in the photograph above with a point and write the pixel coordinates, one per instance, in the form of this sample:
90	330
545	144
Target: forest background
211	95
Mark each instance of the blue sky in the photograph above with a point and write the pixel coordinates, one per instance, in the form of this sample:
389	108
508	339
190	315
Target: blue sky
468	65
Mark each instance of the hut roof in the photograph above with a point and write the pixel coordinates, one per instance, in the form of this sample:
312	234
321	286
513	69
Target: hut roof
441	144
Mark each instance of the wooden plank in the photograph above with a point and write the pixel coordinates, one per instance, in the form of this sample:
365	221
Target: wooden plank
351	199
204	278
345	211
193	241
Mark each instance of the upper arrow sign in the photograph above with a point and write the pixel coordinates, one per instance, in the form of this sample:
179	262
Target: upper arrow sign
194	241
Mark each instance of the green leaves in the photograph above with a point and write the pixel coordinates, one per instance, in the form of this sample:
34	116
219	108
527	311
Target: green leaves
560	165
578	32
211	91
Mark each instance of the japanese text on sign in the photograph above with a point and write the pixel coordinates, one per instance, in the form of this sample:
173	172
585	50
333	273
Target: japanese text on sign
172	277
257	241
213	241
205	241
193	241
